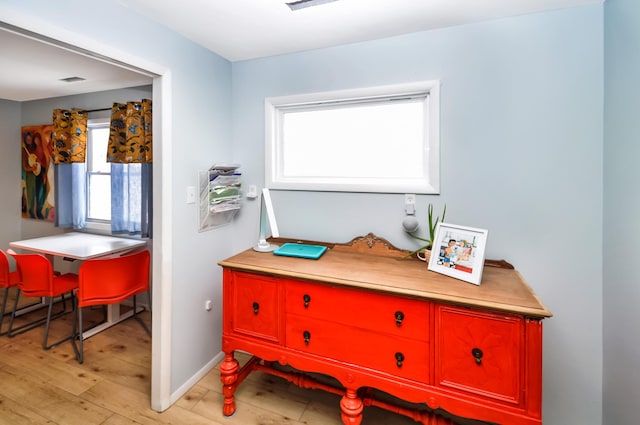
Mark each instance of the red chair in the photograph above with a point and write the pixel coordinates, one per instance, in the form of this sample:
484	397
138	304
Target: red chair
37	279
111	281
8	279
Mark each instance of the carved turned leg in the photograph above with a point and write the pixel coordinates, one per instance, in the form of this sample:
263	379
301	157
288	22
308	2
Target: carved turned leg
229	377
351	406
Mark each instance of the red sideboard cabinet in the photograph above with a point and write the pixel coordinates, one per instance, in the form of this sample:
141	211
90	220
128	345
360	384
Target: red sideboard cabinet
377	323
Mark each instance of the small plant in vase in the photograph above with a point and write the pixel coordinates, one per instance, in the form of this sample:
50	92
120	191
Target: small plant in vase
433	223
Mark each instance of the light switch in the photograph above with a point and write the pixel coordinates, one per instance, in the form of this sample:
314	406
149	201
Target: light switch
191	194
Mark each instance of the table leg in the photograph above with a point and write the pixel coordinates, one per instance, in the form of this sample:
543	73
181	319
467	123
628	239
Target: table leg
113	313
113	317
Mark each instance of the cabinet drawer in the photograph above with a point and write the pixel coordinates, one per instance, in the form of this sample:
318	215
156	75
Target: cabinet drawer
480	352
391	314
255	306
395	355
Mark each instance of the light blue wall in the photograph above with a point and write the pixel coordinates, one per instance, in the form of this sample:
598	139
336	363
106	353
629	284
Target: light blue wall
10	191
521	143
621	212
198	86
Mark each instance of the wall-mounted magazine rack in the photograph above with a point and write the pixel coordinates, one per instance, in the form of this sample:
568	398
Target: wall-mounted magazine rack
220	194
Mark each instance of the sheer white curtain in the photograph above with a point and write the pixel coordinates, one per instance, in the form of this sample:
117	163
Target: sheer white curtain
131	199
70	195
130	155
69	139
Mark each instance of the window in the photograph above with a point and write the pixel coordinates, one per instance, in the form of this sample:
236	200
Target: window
98	174
381	139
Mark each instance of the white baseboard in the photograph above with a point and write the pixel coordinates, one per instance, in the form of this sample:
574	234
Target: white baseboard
184	388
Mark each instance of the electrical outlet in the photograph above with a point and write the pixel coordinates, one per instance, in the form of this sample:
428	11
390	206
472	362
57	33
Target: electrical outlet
410	203
253	192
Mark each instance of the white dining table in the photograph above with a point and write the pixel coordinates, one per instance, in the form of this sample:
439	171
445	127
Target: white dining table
78	245
84	246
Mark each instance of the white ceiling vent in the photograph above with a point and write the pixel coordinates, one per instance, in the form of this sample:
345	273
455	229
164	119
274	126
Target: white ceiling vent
301	4
72	79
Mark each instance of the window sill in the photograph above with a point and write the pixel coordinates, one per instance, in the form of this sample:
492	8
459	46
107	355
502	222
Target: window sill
97	227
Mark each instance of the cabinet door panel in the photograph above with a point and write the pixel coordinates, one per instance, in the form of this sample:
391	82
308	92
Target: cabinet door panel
398	356
396	315
255	306
480	352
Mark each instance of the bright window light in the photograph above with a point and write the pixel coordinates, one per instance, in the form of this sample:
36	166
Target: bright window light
382	139
98	172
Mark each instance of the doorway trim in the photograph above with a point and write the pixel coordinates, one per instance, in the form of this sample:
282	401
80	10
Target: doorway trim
162	166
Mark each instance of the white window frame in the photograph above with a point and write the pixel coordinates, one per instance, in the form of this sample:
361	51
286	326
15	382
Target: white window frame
427	183
93	224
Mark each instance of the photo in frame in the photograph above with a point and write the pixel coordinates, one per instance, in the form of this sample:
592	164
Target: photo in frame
458	252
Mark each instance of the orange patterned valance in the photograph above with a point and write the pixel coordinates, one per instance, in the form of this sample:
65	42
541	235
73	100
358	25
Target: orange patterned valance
69	137
130	137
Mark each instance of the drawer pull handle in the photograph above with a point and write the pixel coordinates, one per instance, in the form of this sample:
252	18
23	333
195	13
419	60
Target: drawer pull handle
256	308
399	359
307	299
399	318
307	336
477	354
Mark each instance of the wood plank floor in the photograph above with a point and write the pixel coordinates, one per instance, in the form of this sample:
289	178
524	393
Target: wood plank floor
113	387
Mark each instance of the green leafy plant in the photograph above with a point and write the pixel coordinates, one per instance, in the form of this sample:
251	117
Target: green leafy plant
433	223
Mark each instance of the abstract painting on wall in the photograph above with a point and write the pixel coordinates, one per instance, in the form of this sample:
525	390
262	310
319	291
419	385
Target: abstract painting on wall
37	172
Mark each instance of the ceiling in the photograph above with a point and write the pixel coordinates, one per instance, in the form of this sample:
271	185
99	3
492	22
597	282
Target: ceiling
32	69
248	29
241	30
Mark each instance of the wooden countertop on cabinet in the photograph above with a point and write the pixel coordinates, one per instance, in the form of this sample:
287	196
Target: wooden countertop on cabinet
502	287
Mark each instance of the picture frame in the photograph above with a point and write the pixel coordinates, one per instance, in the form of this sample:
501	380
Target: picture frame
458	252
36	147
